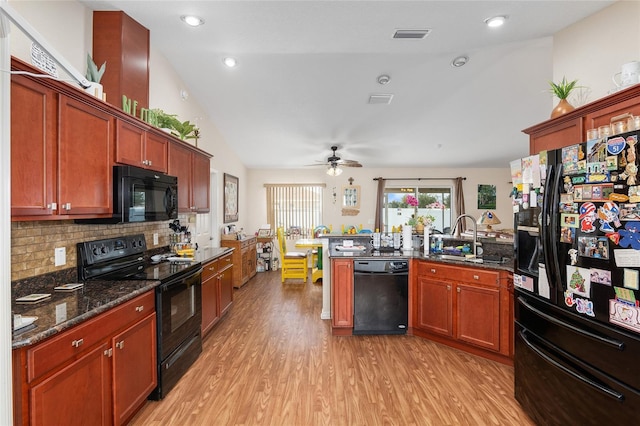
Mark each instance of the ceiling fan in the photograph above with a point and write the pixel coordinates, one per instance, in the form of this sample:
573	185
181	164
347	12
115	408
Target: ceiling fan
334	162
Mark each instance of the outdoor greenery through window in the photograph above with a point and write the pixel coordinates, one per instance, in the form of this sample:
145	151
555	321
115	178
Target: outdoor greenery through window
295	207
408	205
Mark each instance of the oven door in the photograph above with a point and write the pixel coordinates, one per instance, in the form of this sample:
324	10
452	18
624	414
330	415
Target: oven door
179	310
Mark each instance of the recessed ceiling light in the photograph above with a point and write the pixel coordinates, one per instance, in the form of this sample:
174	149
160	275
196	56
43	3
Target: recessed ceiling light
192	20
230	62
459	61
495	21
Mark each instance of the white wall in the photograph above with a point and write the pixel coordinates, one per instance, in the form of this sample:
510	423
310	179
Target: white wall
593	49
332	214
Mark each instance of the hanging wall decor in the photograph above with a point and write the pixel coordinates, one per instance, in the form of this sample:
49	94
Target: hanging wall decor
230	198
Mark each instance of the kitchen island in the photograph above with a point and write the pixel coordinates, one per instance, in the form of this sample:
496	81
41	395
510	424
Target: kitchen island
463	304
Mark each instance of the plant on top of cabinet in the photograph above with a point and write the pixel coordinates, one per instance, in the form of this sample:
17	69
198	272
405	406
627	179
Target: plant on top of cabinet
93	73
562	90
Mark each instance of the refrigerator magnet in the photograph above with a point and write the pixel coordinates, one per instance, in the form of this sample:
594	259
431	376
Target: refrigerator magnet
569	219
578	281
631	279
600	276
624	315
567	235
583	306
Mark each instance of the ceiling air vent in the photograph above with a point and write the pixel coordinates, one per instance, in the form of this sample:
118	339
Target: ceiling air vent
411	34
380	99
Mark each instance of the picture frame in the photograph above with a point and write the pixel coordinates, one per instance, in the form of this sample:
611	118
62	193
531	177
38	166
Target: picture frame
486	197
264	233
351	196
230	198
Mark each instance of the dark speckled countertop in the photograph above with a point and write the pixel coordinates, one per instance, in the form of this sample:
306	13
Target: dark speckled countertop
94	298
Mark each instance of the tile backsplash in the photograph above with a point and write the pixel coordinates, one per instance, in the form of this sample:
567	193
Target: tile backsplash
33	243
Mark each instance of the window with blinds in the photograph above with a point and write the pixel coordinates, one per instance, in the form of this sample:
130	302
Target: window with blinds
295	207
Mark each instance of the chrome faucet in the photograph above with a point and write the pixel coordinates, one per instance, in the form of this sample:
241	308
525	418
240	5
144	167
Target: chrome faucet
475	230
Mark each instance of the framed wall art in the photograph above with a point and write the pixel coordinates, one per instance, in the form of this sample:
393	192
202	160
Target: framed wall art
230	198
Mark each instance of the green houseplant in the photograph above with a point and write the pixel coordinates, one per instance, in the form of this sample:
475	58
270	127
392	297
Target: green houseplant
562	90
94	75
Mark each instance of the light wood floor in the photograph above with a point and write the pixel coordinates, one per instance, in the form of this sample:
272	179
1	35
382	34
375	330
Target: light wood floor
273	361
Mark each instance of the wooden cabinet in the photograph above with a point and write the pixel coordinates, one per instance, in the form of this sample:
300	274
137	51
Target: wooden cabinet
61	152
244	257
342	296
33	148
217	291
64	143
192	170
99	372
134	374
84	158
124	44
571	128
79	393
137	147
464	307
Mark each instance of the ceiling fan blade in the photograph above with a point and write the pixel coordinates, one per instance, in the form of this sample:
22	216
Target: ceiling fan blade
353	164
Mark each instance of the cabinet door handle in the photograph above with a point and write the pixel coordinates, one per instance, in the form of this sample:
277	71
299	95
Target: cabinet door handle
139	308
66	206
120	344
475	277
433	271
458	289
150	163
448	287
77	343
108	352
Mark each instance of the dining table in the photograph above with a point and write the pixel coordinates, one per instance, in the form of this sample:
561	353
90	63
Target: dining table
313	244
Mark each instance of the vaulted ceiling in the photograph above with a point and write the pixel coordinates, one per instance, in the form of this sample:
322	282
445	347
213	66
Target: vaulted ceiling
306	70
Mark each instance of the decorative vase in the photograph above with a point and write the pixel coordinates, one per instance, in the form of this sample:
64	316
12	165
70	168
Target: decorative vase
562	108
419	228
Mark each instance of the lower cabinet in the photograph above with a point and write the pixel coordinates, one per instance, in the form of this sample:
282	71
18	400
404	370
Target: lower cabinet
217	291
342	296
465	307
244	258
99	372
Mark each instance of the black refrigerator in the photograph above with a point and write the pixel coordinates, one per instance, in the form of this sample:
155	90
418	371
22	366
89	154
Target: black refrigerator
577	327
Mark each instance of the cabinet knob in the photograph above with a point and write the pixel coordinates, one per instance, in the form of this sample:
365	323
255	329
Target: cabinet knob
433	271
150	163
66	206
448	287
139	308
120	344
77	343
108	352
475	277
458	289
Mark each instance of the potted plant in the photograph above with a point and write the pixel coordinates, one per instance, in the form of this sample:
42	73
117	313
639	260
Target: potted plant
562	90
185	130
94	75
162	120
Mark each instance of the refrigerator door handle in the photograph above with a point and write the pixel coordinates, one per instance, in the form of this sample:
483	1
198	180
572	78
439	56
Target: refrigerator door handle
544	223
599	387
554	211
601	339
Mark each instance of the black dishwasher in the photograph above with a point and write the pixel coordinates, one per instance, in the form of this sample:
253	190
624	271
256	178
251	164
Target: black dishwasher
380	296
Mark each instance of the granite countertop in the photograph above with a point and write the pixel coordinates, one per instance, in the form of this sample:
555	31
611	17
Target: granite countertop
205	255
94	298
418	254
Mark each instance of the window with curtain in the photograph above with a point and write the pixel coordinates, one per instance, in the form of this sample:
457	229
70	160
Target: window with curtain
295	207
431	201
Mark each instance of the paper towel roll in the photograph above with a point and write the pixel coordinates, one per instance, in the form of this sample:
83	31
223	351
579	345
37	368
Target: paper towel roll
406	237
427	230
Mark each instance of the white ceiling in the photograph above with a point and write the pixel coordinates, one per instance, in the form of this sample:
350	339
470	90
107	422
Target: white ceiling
307	68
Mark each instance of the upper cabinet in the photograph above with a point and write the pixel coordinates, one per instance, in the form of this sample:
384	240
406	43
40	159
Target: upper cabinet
137	147
124	44
571	128
60	154
192	169
65	142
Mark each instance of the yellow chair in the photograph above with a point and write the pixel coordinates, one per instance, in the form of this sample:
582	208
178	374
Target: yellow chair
294	263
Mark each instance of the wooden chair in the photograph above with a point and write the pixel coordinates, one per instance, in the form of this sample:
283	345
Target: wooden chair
293	263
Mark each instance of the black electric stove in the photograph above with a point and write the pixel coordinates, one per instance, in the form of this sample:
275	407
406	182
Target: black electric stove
178	299
122	258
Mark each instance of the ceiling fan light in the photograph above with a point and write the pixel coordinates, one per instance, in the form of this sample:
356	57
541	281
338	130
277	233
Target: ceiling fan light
334	171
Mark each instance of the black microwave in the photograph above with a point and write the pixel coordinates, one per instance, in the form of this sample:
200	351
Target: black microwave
141	195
